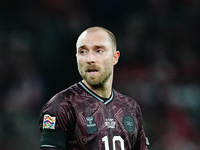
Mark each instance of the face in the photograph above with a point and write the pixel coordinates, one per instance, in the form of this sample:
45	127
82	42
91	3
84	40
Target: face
95	57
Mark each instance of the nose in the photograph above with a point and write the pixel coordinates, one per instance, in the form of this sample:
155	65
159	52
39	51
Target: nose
90	58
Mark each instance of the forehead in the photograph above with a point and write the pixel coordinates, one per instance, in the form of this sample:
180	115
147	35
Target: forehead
98	37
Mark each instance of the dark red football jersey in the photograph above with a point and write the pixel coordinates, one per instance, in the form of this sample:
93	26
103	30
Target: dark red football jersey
78	119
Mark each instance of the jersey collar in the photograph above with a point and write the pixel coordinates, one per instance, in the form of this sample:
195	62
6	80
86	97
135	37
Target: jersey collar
103	100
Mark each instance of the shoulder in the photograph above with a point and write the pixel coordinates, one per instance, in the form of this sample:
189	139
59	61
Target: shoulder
63	98
130	104
60	107
124	98
126	101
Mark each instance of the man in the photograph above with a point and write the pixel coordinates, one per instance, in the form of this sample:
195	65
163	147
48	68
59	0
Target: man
90	115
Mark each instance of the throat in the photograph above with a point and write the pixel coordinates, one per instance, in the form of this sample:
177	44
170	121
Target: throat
102	93
99	89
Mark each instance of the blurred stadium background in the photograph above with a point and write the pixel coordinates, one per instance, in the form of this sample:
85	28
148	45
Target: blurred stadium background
159	64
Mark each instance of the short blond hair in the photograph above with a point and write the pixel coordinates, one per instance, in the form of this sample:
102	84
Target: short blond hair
110	34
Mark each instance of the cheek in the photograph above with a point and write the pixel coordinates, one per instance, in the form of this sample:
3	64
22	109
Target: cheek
80	61
110	60
80	65
108	63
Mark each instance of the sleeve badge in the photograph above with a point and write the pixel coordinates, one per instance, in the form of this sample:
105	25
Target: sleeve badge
49	122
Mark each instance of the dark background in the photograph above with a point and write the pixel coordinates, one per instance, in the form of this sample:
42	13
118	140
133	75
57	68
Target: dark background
159	64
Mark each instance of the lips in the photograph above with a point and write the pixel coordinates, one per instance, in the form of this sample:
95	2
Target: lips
92	70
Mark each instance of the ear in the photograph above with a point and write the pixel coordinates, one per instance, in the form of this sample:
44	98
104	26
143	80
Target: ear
116	57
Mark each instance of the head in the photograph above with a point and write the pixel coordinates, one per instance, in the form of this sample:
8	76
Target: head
96	56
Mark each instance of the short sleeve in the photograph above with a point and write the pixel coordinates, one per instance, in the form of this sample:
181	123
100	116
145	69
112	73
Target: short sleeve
141	142
56	122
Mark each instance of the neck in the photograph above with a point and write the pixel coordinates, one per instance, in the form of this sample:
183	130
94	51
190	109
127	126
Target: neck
101	90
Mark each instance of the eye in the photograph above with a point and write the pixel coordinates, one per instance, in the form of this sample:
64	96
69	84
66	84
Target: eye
82	51
99	51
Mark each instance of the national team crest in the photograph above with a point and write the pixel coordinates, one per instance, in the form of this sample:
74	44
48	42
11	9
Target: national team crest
129	123
49	122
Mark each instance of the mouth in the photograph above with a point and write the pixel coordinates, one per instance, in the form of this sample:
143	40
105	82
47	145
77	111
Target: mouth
92	70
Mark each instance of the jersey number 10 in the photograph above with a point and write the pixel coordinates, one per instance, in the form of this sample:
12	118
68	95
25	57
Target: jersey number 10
115	138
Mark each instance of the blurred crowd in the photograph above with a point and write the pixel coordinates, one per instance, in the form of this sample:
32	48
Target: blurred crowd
159	64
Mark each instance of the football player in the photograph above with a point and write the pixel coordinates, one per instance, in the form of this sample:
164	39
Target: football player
91	115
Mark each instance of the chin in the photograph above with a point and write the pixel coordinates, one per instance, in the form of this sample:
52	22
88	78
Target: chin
98	82
94	82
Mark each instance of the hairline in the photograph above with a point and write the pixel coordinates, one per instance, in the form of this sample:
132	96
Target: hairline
110	34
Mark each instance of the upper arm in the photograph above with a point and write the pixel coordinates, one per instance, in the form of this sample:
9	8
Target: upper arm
55	139
141	141
56	122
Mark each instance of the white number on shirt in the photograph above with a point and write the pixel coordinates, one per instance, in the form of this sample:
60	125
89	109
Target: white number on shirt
115	138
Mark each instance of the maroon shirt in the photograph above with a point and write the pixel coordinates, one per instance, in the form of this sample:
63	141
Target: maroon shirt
78	119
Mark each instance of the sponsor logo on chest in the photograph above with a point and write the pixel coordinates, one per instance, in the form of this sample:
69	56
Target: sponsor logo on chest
91	125
110	123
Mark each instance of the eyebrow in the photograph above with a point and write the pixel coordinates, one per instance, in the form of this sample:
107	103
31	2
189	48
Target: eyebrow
94	47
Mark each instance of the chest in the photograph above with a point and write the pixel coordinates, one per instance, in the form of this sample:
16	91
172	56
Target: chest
106	125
